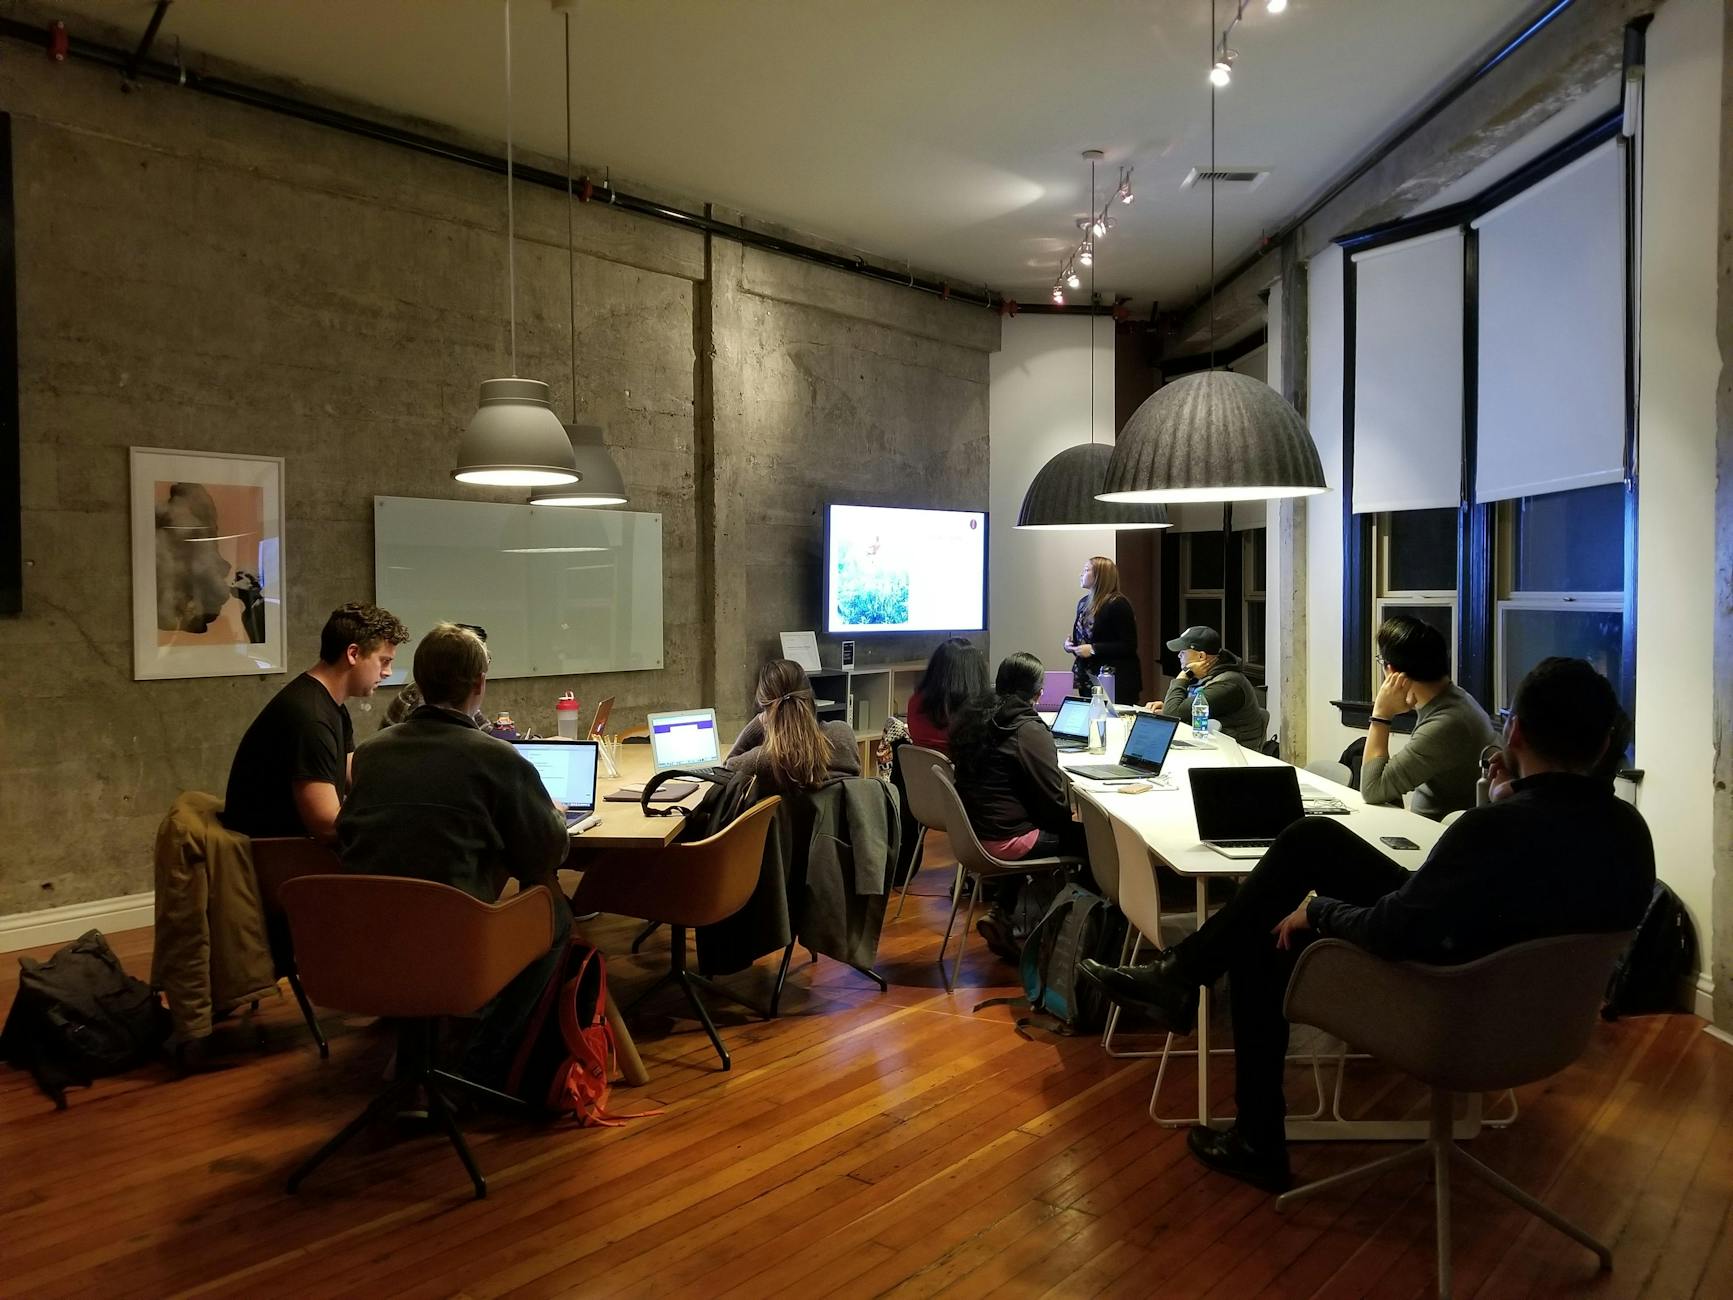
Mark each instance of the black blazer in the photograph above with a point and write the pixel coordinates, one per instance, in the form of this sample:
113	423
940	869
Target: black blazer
1114	640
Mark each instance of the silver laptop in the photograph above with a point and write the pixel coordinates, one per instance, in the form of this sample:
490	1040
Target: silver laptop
1071	726
685	739
568	770
1146	747
1241	810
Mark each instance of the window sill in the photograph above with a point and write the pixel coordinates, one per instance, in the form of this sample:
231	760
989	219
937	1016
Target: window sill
1358	715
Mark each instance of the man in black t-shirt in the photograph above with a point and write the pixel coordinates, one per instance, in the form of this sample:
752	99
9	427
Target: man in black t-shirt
291	772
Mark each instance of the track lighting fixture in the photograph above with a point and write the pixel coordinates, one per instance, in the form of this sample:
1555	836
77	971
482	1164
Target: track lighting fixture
1058	296
1086	254
1277	6
1223	71
1073	281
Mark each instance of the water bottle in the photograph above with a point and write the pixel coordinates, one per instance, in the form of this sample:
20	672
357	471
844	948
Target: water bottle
566	716
1199	712
1108	683
1099	712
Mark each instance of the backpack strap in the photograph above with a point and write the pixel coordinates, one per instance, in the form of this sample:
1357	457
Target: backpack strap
662	778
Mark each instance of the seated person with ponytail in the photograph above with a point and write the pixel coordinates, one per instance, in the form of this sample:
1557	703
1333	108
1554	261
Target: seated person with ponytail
1009	780
785	746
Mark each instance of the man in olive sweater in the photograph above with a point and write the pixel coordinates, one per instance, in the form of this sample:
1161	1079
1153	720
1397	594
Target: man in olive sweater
1555	852
1441	761
1232	699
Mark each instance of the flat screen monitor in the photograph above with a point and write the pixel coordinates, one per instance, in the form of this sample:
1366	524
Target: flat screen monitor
896	570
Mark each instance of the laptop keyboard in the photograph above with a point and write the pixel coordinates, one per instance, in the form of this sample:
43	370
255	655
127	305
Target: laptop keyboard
1242	844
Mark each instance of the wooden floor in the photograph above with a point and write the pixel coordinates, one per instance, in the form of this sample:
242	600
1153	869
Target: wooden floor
864	1144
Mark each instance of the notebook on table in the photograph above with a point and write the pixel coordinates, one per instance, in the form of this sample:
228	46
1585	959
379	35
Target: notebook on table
1146	748
568	771
1071	726
1241	810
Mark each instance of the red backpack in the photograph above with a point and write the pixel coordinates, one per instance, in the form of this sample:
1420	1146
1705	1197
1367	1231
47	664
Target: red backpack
565	1063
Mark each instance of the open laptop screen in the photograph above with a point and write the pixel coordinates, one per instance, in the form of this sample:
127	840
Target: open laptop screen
684	739
1245	803
1073	719
1147	744
567	768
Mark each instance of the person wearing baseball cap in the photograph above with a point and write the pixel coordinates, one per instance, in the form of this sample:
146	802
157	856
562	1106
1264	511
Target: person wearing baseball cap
1216	672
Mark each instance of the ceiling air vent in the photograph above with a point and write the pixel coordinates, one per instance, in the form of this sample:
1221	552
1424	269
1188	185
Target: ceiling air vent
1241	179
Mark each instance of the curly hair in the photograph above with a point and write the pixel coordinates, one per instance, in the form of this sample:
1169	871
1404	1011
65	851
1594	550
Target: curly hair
366	627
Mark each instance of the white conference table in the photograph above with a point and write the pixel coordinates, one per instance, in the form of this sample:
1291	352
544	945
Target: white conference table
1163	816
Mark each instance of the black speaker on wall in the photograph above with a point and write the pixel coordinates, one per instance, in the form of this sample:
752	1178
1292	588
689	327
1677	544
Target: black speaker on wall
11	490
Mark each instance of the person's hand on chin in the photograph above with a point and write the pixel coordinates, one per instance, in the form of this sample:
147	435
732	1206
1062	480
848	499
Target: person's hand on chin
1392	696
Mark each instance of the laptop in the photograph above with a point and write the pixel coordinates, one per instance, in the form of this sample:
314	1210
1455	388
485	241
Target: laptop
1145	751
1055	686
1071	727
568	770
685	739
1241	810
599	724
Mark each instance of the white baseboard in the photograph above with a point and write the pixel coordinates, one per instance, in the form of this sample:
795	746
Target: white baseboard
59	924
1703	997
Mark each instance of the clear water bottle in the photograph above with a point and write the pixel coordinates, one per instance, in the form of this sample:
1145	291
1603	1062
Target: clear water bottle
566	716
1199	712
1099	712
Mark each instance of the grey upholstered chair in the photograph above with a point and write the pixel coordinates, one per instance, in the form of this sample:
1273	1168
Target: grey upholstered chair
1507	1019
926	803
974	861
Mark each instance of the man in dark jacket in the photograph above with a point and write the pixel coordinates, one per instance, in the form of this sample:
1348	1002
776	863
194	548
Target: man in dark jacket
1232	699
1555	852
437	799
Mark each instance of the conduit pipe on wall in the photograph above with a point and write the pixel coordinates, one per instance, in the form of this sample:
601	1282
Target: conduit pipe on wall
287	106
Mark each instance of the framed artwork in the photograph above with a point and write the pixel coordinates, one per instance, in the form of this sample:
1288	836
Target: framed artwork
207	564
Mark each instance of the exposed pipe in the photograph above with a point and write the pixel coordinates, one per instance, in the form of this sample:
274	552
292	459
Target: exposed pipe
350	123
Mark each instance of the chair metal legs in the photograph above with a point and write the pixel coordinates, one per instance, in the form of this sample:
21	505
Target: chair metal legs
957	886
415	1074
307	1014
914	866
689	983
1441	1151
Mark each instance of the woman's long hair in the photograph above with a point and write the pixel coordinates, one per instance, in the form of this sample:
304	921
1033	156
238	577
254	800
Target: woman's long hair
972	737
1103	584
952	678
794	745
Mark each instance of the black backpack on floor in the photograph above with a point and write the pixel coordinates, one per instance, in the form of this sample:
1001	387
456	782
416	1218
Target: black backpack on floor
79	1016
1662	955
1078	923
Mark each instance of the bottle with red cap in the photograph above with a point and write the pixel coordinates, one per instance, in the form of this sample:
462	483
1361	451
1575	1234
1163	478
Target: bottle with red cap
566	715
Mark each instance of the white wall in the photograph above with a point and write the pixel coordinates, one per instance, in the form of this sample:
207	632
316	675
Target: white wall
1038	405
1681	365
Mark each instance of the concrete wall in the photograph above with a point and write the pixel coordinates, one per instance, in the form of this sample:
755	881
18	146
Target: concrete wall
200	275
1040	406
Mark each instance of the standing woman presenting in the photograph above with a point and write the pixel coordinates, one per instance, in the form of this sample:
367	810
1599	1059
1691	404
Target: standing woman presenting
1104	634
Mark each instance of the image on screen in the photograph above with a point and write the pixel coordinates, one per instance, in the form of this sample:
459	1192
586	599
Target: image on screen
568	771
684	739
897	570
1149	739
1073	719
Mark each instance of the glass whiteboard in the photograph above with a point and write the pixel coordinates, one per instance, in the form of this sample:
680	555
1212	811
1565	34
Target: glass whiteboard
560	589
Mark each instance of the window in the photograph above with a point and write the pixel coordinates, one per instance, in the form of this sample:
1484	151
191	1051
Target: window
1416	574
1254	566
1561	583
1203	575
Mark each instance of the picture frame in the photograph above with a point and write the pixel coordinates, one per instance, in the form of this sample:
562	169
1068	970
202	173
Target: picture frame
208	594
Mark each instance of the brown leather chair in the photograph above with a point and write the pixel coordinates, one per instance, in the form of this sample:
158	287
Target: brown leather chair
1514	1017
415	951
685	885
275	862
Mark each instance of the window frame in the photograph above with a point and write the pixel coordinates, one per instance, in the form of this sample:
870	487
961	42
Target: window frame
1251	541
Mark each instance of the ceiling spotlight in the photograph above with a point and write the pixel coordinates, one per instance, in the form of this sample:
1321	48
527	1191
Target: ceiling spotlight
1277	6
1222	73
1058	295
1086	254
1097	229
1073	281
1125	194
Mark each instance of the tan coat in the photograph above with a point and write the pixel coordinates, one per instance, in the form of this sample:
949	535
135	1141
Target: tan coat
212	951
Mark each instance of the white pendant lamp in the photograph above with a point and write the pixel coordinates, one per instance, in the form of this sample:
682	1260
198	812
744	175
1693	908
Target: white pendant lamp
1064	494
599	479
514	439
1214	435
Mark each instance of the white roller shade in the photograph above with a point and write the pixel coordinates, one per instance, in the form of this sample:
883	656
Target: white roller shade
1551	408
1408	374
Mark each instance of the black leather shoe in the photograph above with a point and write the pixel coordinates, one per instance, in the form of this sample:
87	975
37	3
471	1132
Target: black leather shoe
1158	987
1228	1152
995	928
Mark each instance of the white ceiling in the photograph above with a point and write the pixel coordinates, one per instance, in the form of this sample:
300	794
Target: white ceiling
946	133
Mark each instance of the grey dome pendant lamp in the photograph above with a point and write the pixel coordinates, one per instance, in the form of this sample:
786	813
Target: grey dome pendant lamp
514	439
599	481
1214	435
1063	494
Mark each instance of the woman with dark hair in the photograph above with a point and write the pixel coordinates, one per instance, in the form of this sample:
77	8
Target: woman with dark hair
956	673
1009	780
785	746
1104	634
1440	763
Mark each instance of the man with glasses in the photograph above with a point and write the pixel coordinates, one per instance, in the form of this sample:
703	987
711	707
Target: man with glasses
1440	763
